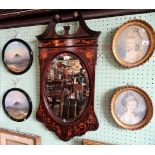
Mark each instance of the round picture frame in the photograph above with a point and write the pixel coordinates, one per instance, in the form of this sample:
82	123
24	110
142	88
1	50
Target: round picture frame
16	62
138	107
133	43
16	107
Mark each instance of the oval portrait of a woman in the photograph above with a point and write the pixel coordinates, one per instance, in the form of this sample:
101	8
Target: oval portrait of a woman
130	107
132	44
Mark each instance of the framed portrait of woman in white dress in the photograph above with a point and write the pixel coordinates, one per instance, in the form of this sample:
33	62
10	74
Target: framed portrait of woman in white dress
131	107
133	43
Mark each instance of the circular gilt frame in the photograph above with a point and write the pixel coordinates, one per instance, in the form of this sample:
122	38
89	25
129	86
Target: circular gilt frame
149	111
151	34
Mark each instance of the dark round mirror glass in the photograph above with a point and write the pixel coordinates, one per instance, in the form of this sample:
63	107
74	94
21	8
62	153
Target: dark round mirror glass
67	87
17	104
17	56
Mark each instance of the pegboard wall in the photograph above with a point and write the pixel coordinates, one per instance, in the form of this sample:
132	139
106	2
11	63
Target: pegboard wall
109	76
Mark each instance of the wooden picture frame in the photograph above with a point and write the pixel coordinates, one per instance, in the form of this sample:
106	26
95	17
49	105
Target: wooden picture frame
8	137
131	107
17	56
92	142
133	43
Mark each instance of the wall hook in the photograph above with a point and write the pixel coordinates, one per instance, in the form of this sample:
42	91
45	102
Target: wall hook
16	34
129	84
98	55
15	81
18	129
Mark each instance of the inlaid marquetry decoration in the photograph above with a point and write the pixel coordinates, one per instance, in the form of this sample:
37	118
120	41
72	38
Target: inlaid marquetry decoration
67	78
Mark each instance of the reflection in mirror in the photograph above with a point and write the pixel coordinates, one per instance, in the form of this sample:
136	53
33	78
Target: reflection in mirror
67	87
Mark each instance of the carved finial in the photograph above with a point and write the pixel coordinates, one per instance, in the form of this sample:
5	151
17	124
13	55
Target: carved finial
57	17
75	14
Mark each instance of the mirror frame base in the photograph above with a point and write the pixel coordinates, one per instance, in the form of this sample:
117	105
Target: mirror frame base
65	133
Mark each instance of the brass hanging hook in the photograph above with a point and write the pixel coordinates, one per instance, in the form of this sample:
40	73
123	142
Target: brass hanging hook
16	34
16	81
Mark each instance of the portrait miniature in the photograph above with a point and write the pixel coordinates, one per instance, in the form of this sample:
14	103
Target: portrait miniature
131	107
133	43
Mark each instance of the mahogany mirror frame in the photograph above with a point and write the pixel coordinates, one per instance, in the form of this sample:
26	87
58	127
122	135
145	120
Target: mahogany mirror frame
83	44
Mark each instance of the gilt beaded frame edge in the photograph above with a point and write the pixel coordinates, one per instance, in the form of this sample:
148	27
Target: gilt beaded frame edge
148	101
151	34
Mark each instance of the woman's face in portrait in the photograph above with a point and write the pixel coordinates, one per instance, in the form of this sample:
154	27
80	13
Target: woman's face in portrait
131	106
130	44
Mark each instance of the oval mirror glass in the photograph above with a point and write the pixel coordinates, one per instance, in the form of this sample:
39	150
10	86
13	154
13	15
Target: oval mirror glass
67	87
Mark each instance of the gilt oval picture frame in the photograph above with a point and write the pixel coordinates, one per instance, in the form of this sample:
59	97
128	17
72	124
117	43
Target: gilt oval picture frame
17	104
131	107
17	56
133	43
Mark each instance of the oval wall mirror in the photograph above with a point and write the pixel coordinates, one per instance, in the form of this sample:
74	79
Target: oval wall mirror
67	79
17	56
67	87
